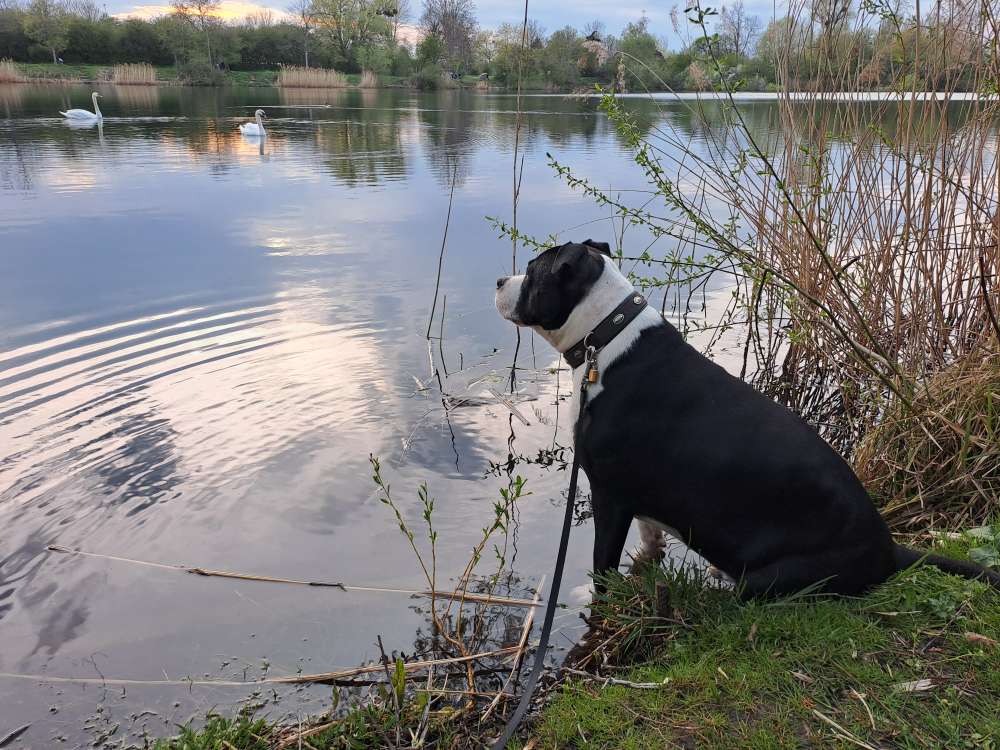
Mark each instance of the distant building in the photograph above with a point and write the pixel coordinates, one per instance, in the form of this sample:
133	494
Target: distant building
596	47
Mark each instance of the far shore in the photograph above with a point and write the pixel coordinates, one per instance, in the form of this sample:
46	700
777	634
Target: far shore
98	75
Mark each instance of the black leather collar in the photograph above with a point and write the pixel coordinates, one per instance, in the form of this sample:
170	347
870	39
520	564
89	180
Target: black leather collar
605	331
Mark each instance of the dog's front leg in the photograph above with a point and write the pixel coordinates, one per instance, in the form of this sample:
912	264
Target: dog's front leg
611	524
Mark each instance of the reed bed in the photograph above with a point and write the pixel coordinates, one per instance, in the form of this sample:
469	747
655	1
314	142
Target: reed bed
940	460
311	78
369	80
885	221
9	72
134	74
861	241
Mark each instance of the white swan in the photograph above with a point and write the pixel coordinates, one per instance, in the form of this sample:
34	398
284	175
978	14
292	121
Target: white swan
84	114
251	129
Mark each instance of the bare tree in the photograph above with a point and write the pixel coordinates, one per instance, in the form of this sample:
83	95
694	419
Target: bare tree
305	16
352	24
200	14
454	21
87	9
830	14
261	19
401	13
738	31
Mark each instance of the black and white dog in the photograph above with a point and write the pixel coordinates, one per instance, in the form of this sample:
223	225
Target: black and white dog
670	438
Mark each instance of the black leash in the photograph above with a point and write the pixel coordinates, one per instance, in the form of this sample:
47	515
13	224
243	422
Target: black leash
550	607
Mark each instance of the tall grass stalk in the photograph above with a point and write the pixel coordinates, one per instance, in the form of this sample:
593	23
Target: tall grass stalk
9	72
313	78
134	74
461	636
369	80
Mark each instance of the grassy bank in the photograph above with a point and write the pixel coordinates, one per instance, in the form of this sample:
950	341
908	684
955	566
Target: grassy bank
83	73
169	75
914	664
48	72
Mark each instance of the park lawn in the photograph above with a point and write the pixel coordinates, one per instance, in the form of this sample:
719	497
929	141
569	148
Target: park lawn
83	72
168	74
914	664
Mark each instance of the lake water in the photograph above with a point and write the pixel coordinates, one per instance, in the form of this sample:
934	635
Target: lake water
201	342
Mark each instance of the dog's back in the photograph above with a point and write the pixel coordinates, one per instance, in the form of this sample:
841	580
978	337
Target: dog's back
749	485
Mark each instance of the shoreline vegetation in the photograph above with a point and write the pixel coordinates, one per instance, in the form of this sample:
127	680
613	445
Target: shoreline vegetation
322	78
680	662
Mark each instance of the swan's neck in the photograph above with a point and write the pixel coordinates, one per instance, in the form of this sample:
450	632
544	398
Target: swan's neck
260	123
97	109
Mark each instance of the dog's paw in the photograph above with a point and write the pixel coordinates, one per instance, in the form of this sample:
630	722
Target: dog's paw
718	575
582	594
648	554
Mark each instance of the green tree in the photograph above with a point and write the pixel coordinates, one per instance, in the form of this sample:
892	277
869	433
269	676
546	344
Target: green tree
200	14
269	46
14	42
641	56
139	42
350	25
430	51
560	59
511	58
402	61
47	22
177	36
92	41
227	47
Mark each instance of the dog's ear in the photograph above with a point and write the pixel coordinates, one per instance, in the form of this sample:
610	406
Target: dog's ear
568	257
602	247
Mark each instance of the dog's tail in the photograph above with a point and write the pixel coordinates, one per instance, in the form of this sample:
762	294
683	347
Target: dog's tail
905	557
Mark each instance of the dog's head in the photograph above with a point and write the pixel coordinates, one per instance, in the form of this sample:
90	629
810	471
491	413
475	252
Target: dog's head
555	282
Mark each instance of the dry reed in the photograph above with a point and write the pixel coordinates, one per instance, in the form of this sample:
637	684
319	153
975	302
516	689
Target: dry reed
862	243
369	80
888	214
939	464
9	72
464	596
134	74
312	78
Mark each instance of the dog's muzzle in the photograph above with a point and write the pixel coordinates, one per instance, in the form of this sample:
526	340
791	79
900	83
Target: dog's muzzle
508	292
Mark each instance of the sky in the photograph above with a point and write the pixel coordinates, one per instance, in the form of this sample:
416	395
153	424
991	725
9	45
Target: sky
551	14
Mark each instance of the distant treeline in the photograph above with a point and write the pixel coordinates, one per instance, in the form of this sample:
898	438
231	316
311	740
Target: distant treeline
733	46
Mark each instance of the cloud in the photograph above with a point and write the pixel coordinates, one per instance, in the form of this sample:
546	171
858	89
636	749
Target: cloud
229	10
491	13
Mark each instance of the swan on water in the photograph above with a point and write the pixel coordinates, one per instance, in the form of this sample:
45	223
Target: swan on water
254	129
84	114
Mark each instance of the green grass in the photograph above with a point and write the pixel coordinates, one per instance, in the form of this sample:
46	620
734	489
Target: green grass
83	72
169	74
252	77
383	79
244	732
763	675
